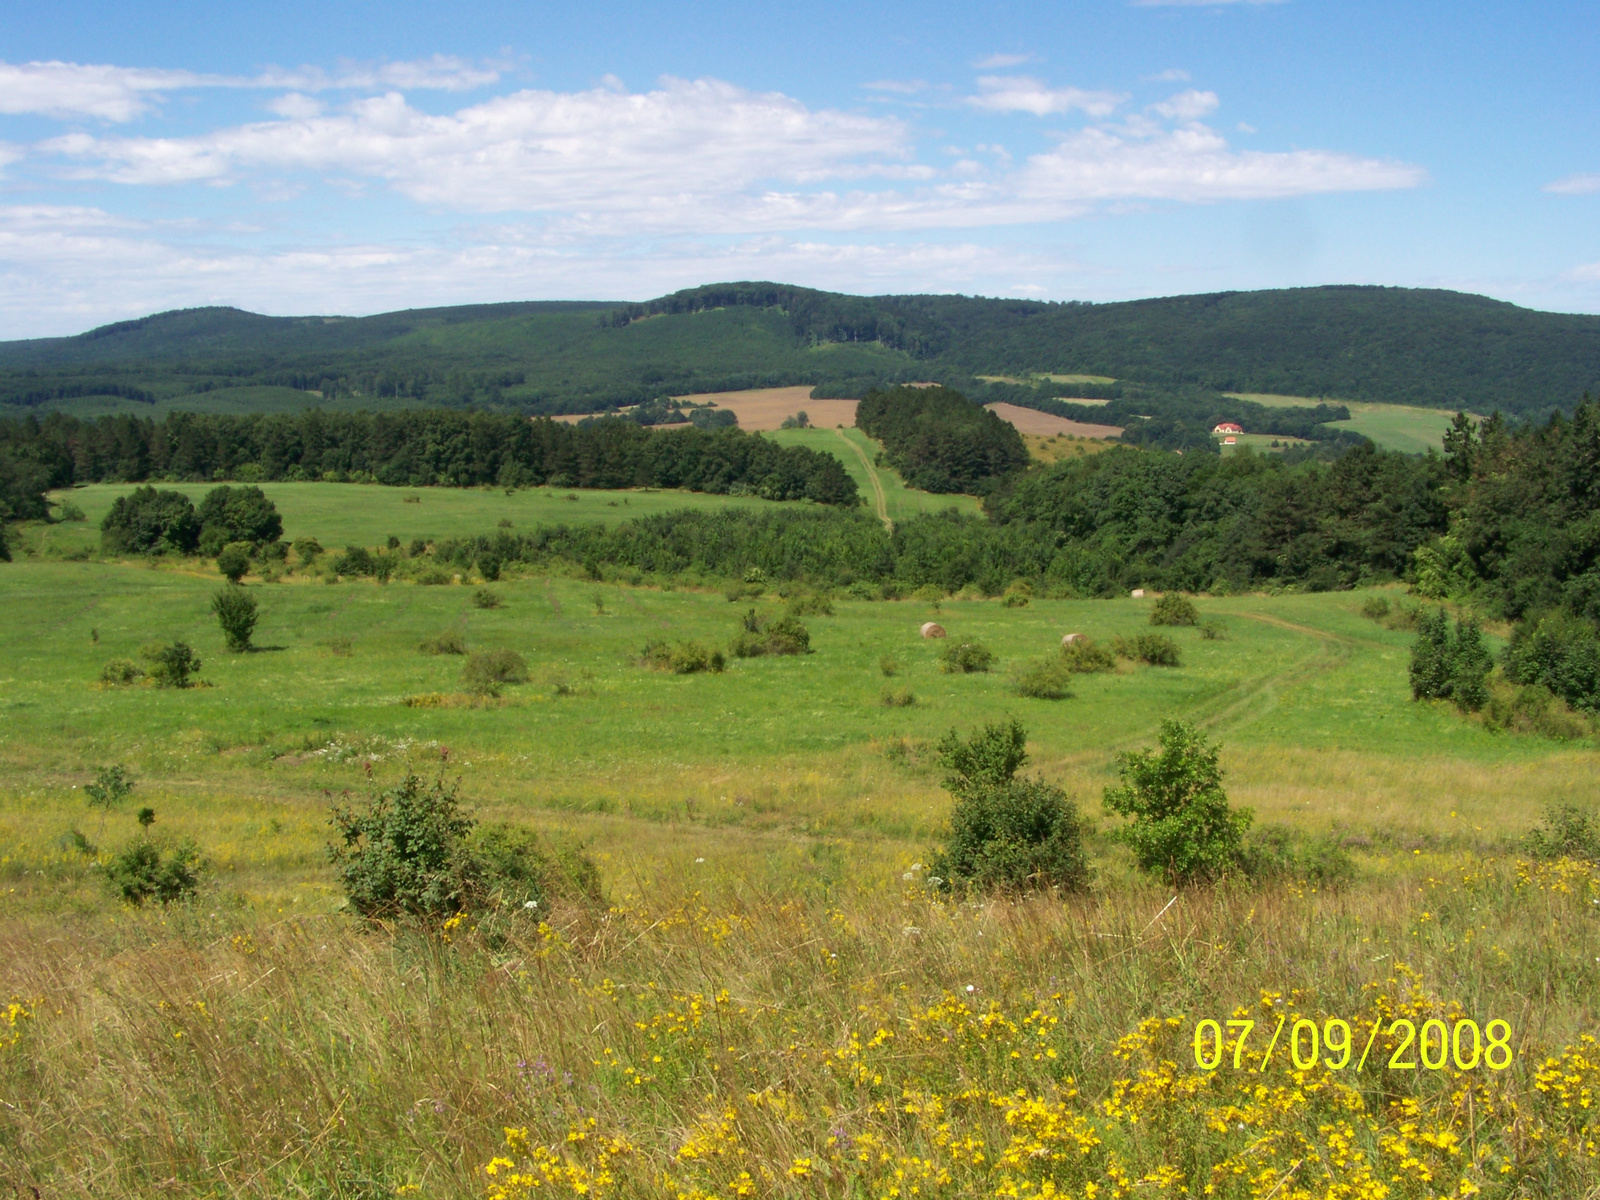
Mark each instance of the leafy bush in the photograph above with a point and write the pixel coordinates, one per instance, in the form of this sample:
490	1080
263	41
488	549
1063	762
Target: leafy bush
1567	831
234	561
146	521
356	560
1534	709
1015	600
1173	609
112	785
1375	608
171	665
237	514
1156	649
786	635
965	657
1006	833
398	855
486	673
1180	825
888	666
810	604
1278	852
1083	657
236	613
434	577
307	550
1448	665
903	698
484	598
1047	679
451	641
511	866
145	871
682	658
1213	631
1560	652
120	672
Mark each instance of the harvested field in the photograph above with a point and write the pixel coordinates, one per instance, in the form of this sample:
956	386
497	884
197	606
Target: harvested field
765	408
1028	420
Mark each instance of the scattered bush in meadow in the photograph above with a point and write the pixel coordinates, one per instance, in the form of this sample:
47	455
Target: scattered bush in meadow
146	871
112	785
121	672
307	550
484	598
1560	652
68	511
1156	649
682	658
810	604
786	635
1566	831
1047	679
451	641
965	657
1213	631
1275	852
888	665
1083	657
237	514
1375	608
356	560
489	671
902	698
513	867
1180	825
233	561
171	664
434	577
147	521
1450	664
237	614
397	855
1173	609
1535	709
341	647
417	548
1006	833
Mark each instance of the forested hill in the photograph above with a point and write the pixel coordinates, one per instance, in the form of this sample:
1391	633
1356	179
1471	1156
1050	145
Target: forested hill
1423	347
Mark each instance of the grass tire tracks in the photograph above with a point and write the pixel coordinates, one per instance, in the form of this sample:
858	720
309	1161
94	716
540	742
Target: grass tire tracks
880	499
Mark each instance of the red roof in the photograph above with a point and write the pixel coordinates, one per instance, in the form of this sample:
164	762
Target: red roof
1228	427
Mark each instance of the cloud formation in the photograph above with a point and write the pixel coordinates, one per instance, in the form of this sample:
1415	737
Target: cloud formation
1575	185
1022	93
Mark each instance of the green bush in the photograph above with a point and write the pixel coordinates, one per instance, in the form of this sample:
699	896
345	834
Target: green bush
145	871
146	521
1047	679
786	635
888	666
965	657
1015	600
356	560
511	866
810	604
1375	608
1276	852
451	641
1212	631
486	673
1567	831
121	672
434	577
1560	652
1450	665
171	665
1156	649
1006	834
903	698
484	598
398	855
307	550
1083	657
234	561
1173	609
682	658
236	613
68	511
237	514
1180	825
1534	709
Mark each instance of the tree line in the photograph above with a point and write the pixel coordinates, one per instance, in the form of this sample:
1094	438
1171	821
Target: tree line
939	440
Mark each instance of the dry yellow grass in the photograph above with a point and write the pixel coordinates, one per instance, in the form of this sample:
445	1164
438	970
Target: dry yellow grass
1029	420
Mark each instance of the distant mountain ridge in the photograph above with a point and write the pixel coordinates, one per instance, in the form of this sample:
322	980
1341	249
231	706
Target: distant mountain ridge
1422	347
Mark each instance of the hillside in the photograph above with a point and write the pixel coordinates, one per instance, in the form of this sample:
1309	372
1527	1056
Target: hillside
1409	346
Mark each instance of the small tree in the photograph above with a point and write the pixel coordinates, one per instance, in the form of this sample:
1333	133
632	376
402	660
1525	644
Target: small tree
1450	665
1005	833
233	561
236	613
397	857
488	672
1181	826
171	666
144	871
112	785
1173	609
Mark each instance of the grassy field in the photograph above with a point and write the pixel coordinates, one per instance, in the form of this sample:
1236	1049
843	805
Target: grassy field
882	488
773	1002
1392	426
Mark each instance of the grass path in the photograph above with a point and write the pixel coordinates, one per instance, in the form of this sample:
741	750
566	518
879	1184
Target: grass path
879	499
1255	697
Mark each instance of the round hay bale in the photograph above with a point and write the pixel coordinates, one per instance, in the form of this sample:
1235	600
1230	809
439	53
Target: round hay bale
1138	593
1071	638
932	629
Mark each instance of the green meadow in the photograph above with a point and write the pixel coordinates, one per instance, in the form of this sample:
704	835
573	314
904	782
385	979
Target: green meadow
1392	426
881	487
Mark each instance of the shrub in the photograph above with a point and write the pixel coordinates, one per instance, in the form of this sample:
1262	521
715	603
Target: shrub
1180	825
888	666
356	560
510	866
1567	831
1015	600
434	577
1006	833
1047	679
1213	631
1533	709
1560	652
484	598
1083	657
1173	609
965	657
682	658
1375	608
68	511
1156	649
417	548
307	550
450	641
786	635
237	514
236	613
146	521
234	562
144	871
1448	665
171	665
898	699
810	604
398	855
1279	852
121	672
486	673
112	785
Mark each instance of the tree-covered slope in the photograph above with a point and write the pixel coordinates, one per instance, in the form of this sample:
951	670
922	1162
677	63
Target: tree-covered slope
1423	347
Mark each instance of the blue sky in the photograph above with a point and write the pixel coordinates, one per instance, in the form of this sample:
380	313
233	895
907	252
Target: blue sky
357	158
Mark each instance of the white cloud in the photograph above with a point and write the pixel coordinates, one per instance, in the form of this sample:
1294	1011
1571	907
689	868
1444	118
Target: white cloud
1021	93
905	87
1587	273
1172	75
110	93
294	105
999	62
1575	185
1187	106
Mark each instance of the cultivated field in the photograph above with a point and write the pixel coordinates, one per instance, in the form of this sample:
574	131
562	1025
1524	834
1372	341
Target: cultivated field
1392	426
1030	420
760	409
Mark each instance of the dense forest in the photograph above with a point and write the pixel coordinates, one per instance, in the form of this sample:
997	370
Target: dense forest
414	448
1425	347
939	440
